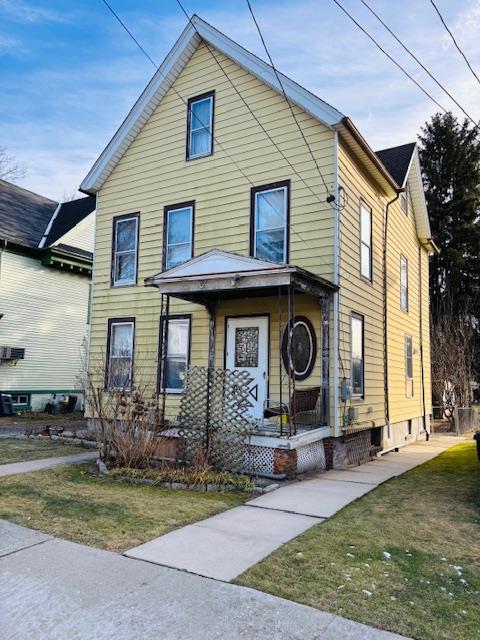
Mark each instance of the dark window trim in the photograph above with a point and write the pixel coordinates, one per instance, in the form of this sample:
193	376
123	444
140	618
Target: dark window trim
284	347
367	206
202	96
358	316
110	323
160	371
115	219
267	187
166	210
406	308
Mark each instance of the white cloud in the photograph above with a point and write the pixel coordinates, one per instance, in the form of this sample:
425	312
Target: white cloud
25	12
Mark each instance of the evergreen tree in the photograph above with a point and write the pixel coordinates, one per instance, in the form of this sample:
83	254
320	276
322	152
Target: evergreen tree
450	158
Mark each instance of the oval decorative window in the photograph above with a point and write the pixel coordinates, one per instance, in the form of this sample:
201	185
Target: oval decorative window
303	348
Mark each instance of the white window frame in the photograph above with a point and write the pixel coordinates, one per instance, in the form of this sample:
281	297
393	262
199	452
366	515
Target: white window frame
115	323
368	210
167	233
187	320
408	339
203	126
256	230
403	283
360	318
404	200
134	251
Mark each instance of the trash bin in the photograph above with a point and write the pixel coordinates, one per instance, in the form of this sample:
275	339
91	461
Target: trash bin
476	436
6	407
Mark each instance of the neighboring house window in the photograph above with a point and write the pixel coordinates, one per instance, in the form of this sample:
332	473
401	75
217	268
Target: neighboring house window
178	234
270	213
173	365
200	126
404	200
404	283
365	241
20	401
125	250
357	350
121	336
409	366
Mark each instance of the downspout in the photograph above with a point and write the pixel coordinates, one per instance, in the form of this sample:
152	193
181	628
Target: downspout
336	295
422	366
385	308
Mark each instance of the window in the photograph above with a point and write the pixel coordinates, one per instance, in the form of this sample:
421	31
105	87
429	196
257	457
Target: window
172	367
408	366
200	126
404	283
270	214
21	400
125	250
365	241
303	348
404	197
121	333
178	234
357	364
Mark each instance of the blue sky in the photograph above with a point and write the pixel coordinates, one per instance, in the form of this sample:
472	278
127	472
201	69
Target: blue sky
69	74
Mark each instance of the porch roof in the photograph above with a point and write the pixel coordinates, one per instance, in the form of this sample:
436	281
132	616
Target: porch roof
221	274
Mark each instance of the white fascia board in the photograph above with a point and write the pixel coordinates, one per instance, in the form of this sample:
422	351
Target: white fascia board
49	226
166	75
417	192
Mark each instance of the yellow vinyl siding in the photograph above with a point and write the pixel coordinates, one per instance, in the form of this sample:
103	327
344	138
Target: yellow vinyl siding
357	294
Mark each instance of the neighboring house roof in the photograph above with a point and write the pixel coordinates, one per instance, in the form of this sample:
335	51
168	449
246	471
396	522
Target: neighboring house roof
73	251
68	216
24	215
397	161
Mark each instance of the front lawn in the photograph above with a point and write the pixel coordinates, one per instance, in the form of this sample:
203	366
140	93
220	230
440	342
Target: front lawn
405	557
71	503
16	450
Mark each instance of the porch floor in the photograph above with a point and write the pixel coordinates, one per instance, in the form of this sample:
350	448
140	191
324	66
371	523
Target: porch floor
228	544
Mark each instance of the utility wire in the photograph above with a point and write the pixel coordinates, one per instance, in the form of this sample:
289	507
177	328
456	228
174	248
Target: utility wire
418	61
287	100
397	64
454	40
250	110
117	17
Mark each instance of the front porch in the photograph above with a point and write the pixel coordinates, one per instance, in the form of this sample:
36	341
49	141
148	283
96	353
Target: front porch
270	323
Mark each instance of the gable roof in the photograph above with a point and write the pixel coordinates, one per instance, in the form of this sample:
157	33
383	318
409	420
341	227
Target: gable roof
397	161
24	215
68	216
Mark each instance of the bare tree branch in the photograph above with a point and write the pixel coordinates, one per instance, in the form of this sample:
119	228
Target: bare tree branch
10	169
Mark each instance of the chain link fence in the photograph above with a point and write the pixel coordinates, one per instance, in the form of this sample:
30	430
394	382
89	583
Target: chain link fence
459	420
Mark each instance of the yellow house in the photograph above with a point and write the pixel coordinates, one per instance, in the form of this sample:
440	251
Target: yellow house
245	224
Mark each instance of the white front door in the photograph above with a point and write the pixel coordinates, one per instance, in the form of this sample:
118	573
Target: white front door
247	350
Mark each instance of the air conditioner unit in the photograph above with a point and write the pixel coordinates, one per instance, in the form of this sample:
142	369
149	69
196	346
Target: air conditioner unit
12	353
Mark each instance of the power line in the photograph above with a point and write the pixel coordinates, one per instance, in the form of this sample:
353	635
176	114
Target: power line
417	60
454	41
286	98
117	17
249	109
397	64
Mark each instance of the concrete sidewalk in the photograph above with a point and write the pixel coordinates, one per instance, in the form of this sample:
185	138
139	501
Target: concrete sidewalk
46	463
58	590
226	545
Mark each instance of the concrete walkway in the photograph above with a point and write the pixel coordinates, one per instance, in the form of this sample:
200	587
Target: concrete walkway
45	463
58	590
226	545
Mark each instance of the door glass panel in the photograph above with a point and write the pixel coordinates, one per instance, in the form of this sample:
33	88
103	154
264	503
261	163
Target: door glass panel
246	347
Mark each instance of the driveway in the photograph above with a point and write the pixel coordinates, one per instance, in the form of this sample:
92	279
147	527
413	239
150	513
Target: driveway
51	589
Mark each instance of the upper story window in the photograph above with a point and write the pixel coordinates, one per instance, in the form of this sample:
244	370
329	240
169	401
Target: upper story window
404	283
270	213
404	196
365	241
125	250
200	126
178	234
357	373
121	335
175	362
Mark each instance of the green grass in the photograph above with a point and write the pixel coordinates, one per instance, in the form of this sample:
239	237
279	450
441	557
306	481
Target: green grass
428	520
33	418
71	503
16	450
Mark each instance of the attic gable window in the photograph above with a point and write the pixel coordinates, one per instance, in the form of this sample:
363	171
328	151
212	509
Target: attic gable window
270	218
404	283
125	250
365	241
200	126
404	200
